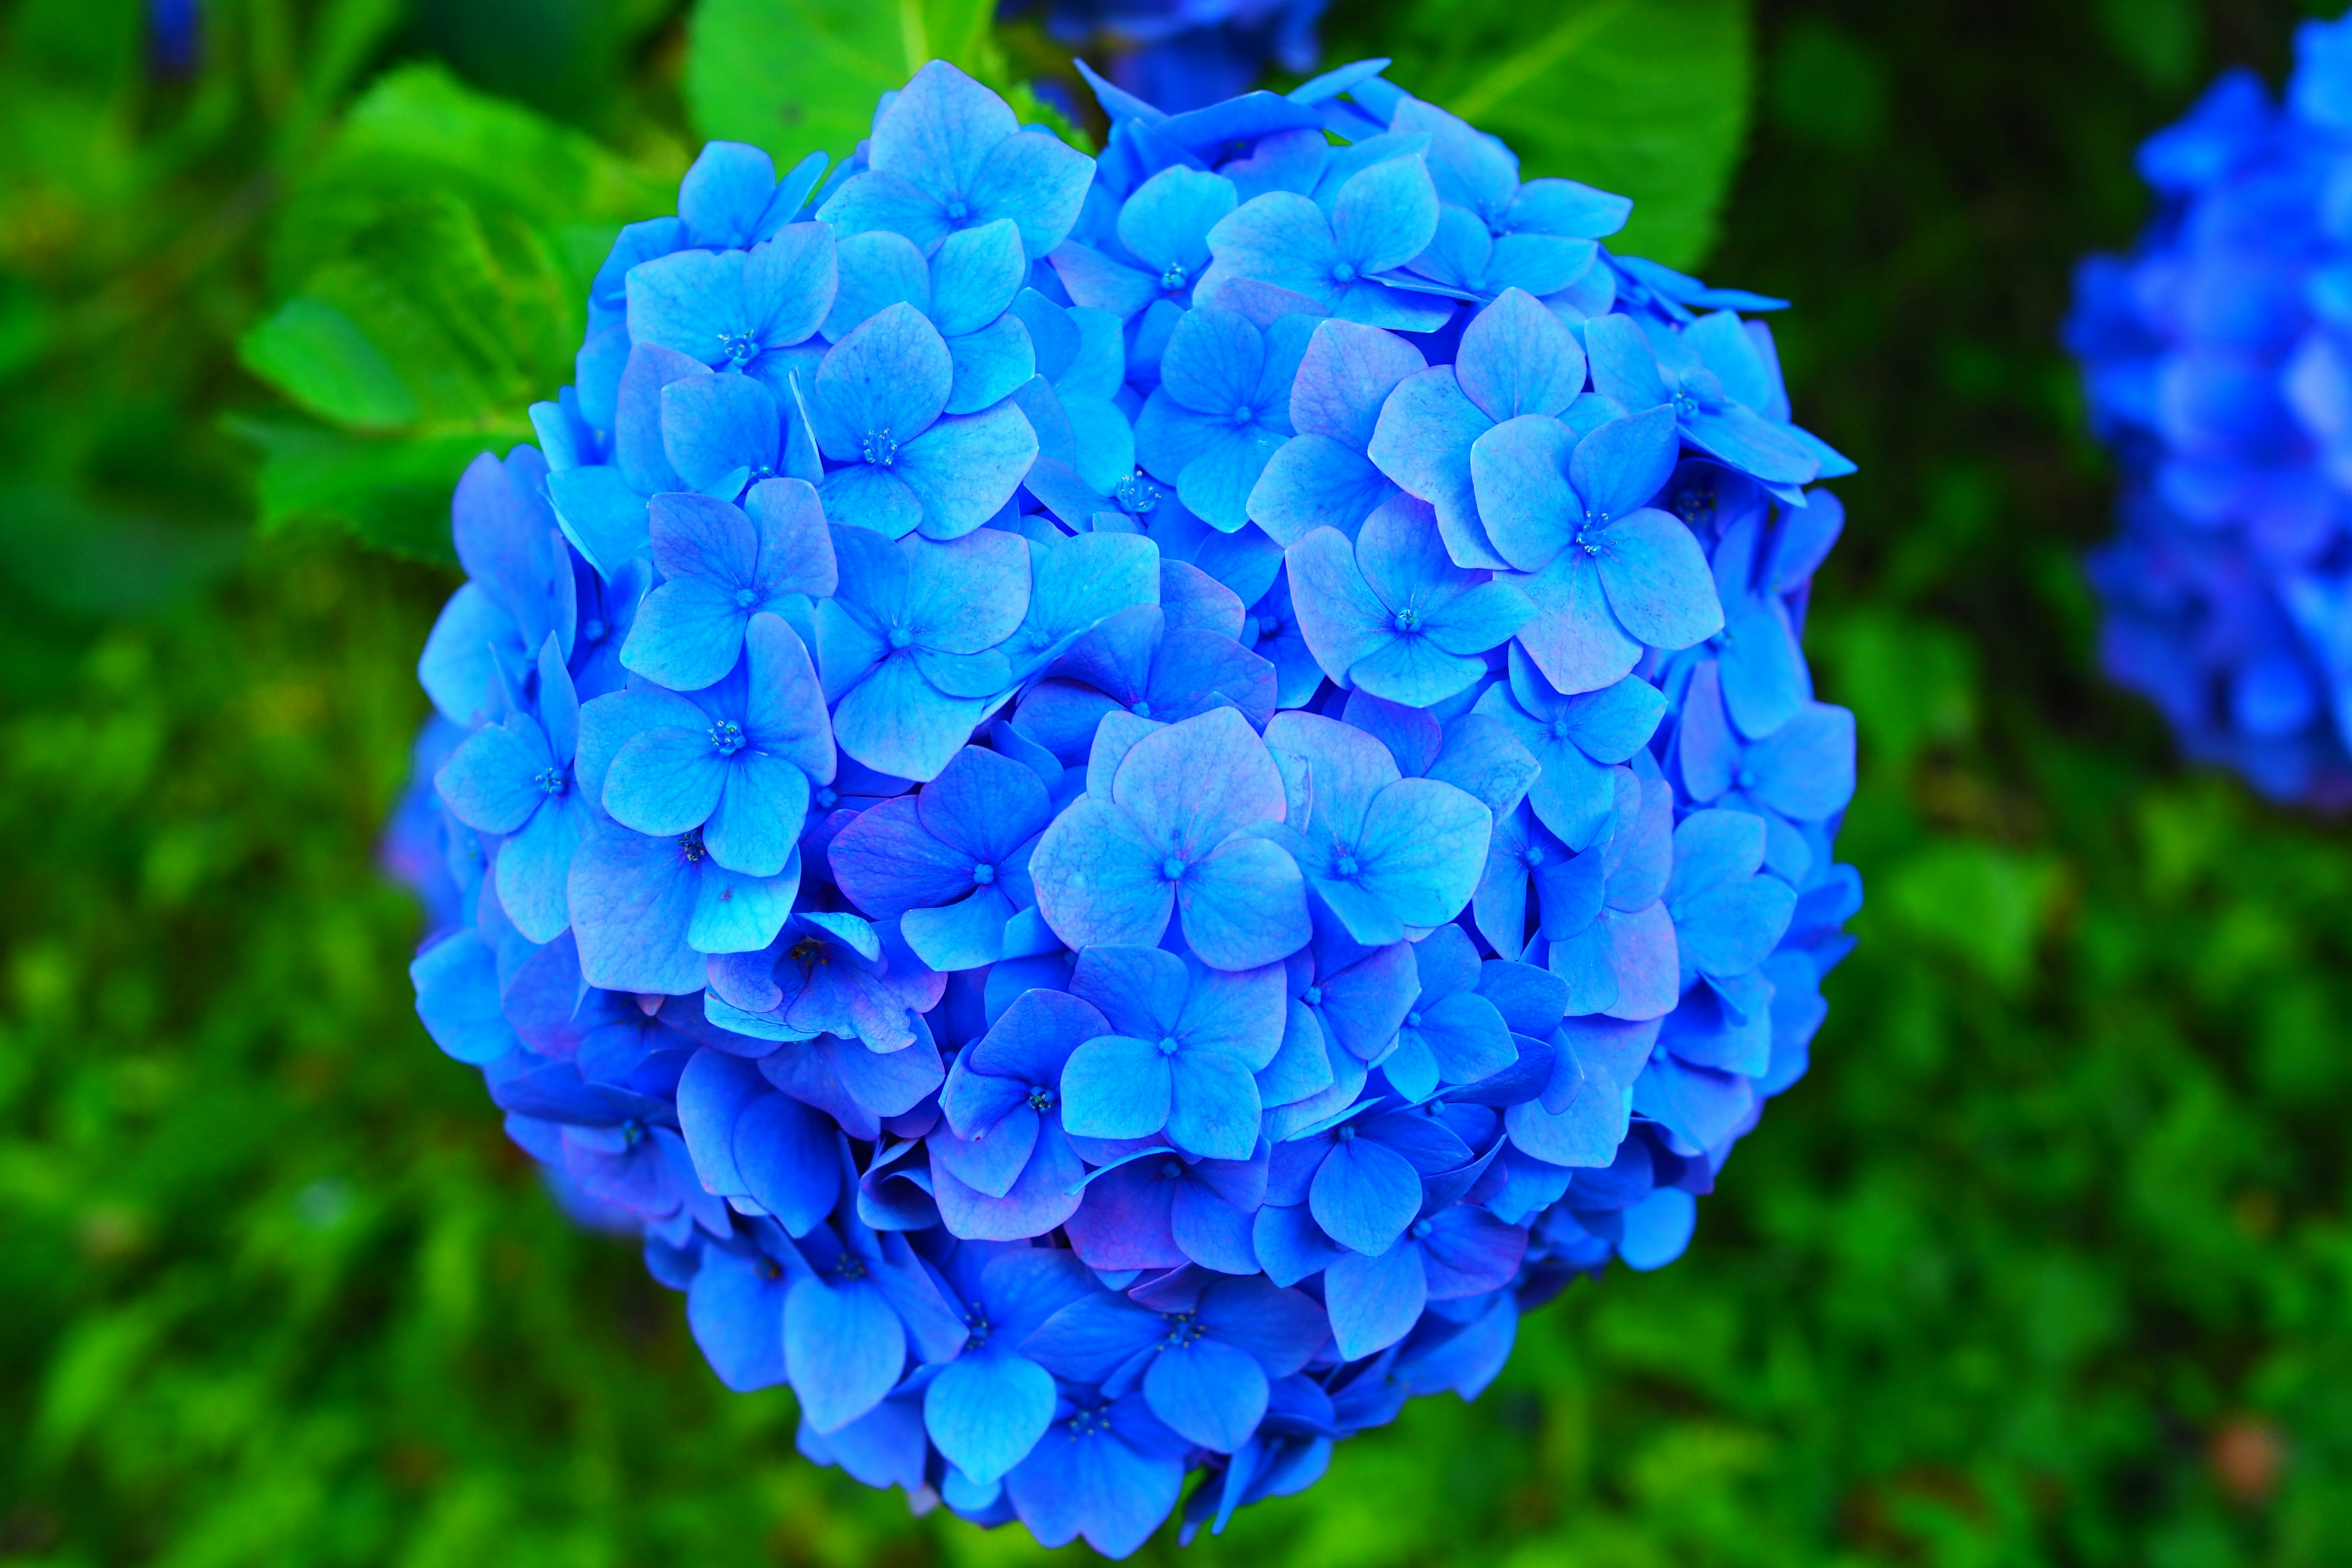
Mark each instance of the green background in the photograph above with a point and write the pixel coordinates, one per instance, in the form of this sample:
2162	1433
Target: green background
2046	1262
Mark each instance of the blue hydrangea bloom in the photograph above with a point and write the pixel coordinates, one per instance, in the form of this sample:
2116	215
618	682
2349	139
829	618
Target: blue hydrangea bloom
1186	54
2215	359
1123	804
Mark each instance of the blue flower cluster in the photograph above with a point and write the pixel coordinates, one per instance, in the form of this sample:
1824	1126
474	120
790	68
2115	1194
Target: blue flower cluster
1123	804
1185	53
2218	361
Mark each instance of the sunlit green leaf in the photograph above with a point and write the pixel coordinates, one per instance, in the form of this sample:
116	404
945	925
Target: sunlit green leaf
794	76
438	259
1646	98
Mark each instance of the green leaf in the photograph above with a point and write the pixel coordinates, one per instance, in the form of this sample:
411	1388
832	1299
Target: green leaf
319	356
794	76
392	491
436	260
1645	98
1982	904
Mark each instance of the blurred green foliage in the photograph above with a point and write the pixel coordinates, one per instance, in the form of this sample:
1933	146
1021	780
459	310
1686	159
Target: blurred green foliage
2047	1262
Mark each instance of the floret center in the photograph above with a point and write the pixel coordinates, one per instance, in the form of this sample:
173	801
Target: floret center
1136	494
1168	1045
879	448
727	737
1174	277
983	874
741	348
550	781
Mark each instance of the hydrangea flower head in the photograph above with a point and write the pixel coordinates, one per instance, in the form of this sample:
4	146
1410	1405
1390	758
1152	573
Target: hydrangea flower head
2228	590
1185	53
1124	804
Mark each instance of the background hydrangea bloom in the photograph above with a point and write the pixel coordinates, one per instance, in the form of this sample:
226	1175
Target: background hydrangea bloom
1186	54
2226	590
1125	803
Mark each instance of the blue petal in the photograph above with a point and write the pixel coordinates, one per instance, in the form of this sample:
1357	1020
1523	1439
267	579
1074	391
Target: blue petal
790	1158
737	1315
1805	769
1423	441
1280	239
1365	1195
1038	181
1517	358
1315	481
1116	1087
690	301
1374	1301
1573	636
897	722
974	275
989	364
665	780
491	782
1243	905
1213	1105
1623	464
634	898
1423	846
725	196
1657	581
1519	471
755	826
687	634
963	469
534	869
888	380
879	269
1100	878
784	714
1658	1229
1383	217
1209	1393
1342	619
1212	362
986	1410
457	984
737	912
845	1349
874	499
1623	366
600	514
637	444
1166	223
